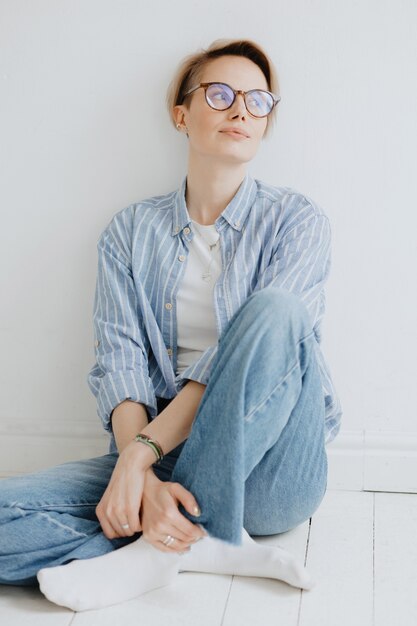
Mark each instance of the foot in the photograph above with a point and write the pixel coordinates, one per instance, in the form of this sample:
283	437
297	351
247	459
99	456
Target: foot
249	559
112	578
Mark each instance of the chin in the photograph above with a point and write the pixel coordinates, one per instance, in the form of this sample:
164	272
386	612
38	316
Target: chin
238	152
235	158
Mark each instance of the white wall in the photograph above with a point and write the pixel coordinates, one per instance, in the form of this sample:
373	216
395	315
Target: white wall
80	140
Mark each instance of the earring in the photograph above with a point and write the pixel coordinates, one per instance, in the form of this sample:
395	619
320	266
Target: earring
179	126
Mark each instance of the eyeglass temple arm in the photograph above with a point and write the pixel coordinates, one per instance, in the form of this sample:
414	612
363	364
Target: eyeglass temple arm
191	90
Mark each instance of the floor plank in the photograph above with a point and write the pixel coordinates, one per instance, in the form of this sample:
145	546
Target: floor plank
340	557
395	559
27	606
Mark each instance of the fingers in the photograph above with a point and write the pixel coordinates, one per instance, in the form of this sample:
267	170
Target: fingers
106	526
161	518
132	519
114	522
174	524
186	498
159	540
174	546
186	528
118	510
171	525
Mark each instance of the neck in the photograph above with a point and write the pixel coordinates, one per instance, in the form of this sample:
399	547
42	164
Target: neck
210	188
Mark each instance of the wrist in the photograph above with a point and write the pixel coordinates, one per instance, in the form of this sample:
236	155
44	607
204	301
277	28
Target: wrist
152	443
127	419
150	484
143	455
151	477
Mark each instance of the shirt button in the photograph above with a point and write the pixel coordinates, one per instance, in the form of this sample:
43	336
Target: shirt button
168	305
237	224
169	351
186	230
177	229
96	343
181	257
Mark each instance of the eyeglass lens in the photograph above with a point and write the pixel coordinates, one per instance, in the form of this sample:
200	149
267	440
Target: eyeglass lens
220	97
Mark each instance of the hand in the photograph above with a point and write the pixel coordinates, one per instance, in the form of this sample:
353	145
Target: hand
160	515
121	501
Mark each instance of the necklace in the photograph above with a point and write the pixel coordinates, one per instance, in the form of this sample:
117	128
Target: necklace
206	275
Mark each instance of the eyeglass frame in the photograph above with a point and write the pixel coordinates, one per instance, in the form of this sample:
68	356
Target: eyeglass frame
276	99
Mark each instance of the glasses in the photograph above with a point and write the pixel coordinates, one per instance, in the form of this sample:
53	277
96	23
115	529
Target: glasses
220	97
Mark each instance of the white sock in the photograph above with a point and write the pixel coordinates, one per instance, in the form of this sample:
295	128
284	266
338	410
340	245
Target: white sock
215	556
128	572
121	575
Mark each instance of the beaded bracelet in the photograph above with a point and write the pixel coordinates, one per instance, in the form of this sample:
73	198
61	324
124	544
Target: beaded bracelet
153	444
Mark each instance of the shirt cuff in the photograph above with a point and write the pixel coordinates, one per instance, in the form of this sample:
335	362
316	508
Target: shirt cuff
115	387
198	371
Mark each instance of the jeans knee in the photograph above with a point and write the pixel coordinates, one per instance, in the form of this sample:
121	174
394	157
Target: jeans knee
291	508
275	308
284	521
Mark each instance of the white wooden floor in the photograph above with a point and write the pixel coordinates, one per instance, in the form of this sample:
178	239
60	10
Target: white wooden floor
361	547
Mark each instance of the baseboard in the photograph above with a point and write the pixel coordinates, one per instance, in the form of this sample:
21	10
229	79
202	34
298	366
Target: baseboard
367	460
359	460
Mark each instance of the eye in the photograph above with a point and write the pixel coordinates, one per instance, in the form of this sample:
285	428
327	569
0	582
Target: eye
259	102
219	95
255	99
258	98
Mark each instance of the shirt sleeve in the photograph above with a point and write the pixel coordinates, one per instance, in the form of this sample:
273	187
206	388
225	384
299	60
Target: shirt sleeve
200	370
121	370
301	258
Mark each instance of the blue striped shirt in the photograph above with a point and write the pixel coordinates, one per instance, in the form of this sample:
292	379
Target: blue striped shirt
270	236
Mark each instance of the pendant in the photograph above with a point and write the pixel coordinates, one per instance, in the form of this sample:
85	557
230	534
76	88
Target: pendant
206	276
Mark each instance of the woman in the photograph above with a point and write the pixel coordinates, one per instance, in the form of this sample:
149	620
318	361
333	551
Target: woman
209	375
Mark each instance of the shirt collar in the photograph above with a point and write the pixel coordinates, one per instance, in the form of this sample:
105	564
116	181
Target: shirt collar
235	212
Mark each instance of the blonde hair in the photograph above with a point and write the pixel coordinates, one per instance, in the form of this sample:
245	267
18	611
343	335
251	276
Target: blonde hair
191	68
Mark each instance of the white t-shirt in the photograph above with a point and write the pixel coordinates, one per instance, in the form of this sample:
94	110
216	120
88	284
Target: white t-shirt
196	322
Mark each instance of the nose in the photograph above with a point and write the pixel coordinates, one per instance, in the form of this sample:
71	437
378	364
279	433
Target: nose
238	105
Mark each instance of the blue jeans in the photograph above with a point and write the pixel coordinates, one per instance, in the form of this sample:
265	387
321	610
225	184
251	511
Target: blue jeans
255	456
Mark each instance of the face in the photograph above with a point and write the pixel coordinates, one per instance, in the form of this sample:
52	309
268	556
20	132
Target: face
206	126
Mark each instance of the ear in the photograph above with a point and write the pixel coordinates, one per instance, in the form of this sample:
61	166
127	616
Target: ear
179	111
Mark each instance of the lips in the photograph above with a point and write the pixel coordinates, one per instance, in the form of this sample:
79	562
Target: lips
235	130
